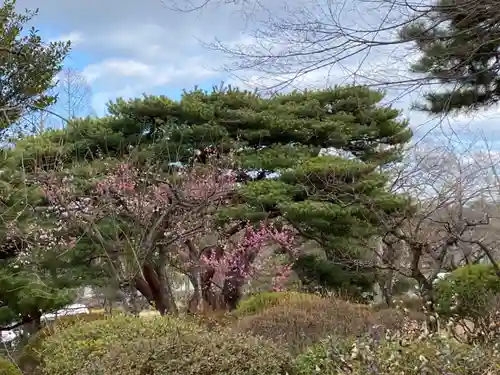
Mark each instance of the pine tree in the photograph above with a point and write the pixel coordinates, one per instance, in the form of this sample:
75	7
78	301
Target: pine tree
28	65
459	41
331	199
30	282
310	159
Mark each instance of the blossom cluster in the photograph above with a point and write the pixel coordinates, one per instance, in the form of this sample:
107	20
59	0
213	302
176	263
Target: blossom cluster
238	259
177	208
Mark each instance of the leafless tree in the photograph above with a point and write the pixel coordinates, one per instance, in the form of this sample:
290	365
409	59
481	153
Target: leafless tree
74	97
74	94
327	41
453	221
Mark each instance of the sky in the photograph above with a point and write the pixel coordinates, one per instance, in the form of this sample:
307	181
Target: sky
126	48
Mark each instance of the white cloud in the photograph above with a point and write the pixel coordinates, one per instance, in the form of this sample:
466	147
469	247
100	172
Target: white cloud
128	77
75	37
135	47
147	74
100	99
117	67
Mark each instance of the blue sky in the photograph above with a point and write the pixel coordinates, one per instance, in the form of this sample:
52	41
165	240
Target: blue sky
90	63
126	48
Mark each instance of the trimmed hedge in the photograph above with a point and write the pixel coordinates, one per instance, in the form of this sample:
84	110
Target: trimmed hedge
468	302
265	300
468	292
161	345
213	319
215	353
8	368
31	355
297	324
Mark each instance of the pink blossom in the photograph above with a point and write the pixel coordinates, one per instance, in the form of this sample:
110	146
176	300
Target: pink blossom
238	260
183	207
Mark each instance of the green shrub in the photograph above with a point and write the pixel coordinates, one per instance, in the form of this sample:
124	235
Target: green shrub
300	323
70	349
8	368
468	291
430	356
213	319
324	357
261	301
471	295
208	353
30	357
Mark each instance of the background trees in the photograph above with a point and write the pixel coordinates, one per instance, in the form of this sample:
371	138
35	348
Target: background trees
100	184
214	184
452	220
459	45
28	66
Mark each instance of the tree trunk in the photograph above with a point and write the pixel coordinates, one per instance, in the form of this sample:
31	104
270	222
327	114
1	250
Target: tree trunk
209	297
387	251
166	293
156	288
33	326
387	288
232	293
195	301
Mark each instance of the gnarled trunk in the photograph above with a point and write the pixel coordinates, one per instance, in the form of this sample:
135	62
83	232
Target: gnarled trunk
156	288
194	304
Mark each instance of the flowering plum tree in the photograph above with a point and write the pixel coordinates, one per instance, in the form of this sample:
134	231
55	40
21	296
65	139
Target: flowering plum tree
310	159
227	266
143	221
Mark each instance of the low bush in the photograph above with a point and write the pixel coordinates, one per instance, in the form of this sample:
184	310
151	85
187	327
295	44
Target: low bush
209	353
262	301
213	319
469	298
298	324
411	303
30	356
396	318
434	355
8	368
67	350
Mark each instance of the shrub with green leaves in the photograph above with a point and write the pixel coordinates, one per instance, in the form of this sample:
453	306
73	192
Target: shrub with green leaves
8	368
471	295
66	351
208	353
432	355
213	319
161	345
259	302
31	355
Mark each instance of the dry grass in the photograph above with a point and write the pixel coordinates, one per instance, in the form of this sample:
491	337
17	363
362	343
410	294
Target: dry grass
97	310
149	313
